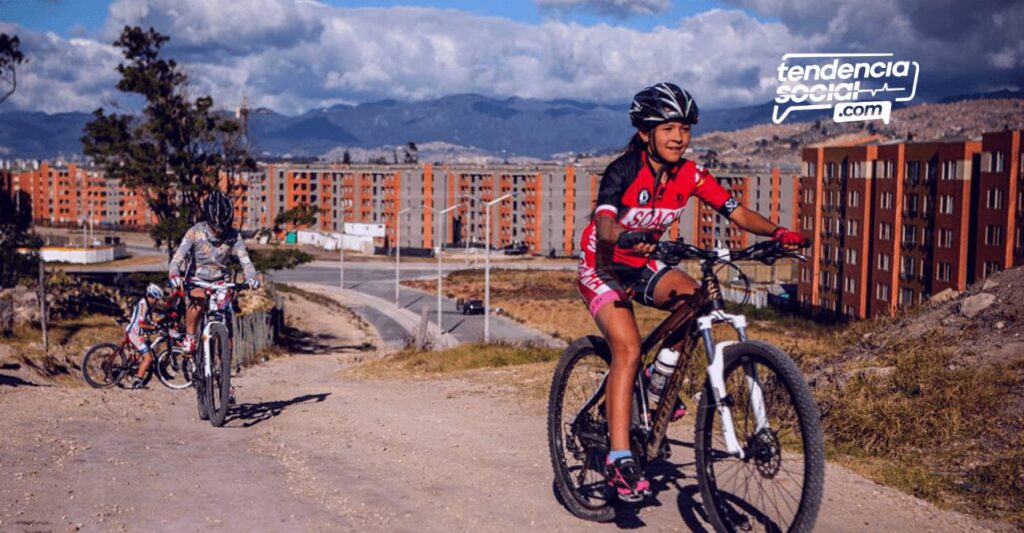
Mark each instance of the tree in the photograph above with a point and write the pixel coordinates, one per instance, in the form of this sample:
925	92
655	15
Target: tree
10	58
346	158
16	232
174	153
302	215
412	153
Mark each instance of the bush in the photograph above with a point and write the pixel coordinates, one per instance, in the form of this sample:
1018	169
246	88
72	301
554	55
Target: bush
278	259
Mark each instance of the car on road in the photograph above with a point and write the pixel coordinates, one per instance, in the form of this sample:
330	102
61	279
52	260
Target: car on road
470	306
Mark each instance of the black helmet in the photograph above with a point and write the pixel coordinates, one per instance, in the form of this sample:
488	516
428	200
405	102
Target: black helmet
661	103
218	210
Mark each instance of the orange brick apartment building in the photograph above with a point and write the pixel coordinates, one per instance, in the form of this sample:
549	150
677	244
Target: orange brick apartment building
549	206
893	223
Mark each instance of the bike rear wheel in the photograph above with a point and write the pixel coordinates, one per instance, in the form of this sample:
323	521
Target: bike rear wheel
778	485
219	382
579	444
104	365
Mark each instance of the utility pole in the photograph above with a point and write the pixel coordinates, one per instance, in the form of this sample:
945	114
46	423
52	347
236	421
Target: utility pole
398	250
440	248
42	303
487	269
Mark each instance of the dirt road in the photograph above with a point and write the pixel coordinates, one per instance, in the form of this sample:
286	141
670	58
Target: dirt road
311	448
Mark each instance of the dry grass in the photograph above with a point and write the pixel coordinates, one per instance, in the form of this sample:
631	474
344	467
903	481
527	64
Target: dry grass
462	358
68	341
934	429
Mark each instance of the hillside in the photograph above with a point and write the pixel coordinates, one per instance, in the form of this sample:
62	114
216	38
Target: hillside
932	401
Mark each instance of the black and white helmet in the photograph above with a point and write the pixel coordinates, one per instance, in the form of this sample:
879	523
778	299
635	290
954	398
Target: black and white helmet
154	291
218	211
662	103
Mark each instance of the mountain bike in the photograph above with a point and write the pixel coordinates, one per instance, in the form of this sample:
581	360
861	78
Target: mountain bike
107	364
758	445
212	375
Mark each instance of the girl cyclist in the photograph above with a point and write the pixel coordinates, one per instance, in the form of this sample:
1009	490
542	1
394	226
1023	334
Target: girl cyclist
641	194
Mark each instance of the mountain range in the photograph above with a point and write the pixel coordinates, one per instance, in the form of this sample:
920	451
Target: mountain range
503	127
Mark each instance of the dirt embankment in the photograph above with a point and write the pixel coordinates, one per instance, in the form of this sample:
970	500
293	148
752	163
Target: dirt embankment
932	401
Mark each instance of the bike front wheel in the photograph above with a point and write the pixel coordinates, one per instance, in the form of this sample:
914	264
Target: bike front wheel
578	429
218	384
173	369
777	486
104	365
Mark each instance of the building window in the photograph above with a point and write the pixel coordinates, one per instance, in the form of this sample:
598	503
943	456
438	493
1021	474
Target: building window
805	275
946	204
994	235
884	231
809	196
991	267
885	202
906	295
949	170
884	262
909	234
830	170
912	173
998	162
851	228
910	204
994	198
854	199
851	256
945	238
942	272
907	266
850	285
882	292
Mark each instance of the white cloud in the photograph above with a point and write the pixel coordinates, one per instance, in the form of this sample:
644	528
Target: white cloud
294	55
961	46
616	8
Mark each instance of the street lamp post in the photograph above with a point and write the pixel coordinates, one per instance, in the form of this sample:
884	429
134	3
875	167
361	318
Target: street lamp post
487	269
398	249
440	248
341	246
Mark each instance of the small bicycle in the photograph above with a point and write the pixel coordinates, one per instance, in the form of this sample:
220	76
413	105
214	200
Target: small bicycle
107	364
758	445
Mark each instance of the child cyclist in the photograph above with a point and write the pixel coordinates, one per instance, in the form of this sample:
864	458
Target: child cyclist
641	194
141	322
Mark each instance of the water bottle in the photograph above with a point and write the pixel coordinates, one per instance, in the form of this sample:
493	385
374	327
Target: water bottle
658	373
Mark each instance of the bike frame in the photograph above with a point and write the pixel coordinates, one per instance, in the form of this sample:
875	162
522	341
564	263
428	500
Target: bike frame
218	301
681	331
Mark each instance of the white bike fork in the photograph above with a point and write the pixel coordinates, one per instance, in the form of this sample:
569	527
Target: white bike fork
206	351
716	377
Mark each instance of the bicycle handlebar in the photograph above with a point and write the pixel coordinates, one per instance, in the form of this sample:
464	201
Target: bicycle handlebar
767	252
193	284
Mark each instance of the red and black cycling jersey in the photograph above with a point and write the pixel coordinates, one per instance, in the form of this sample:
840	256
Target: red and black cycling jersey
630	193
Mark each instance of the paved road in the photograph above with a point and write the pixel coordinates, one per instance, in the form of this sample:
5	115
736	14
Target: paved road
378	280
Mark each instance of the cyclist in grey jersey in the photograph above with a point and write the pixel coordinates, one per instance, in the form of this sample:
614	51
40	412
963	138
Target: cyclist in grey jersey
212	253
211	243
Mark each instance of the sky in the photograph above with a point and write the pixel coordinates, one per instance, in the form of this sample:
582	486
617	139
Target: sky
297	55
